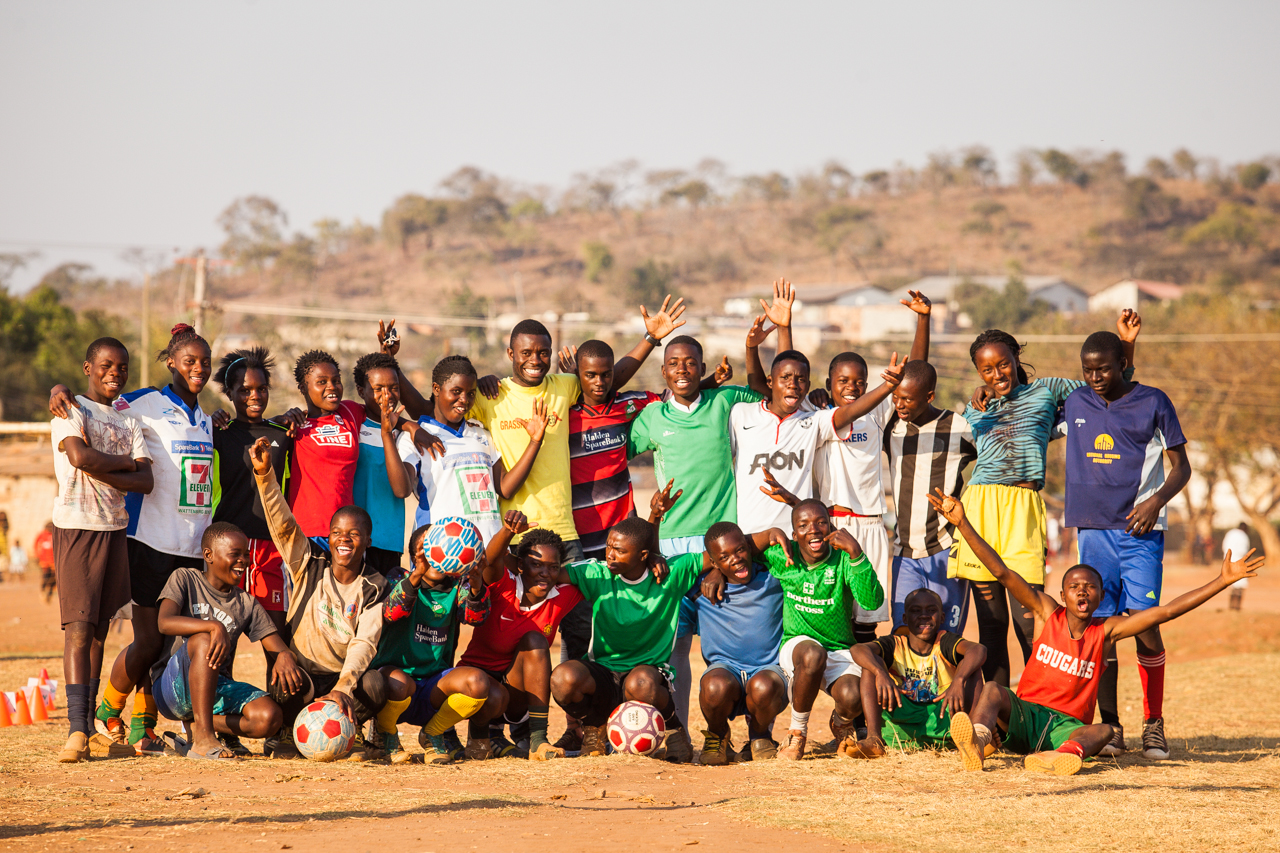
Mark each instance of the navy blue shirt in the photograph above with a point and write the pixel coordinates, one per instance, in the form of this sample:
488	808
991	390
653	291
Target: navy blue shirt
1114	454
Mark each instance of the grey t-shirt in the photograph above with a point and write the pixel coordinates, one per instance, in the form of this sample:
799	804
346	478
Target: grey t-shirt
236	609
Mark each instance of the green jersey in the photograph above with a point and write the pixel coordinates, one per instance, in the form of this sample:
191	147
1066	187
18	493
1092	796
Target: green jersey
818	600
693	449
420	627
633	622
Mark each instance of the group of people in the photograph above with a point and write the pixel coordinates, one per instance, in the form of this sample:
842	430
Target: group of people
765	539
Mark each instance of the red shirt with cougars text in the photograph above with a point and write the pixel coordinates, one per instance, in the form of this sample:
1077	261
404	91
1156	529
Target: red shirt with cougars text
1063	673
325	452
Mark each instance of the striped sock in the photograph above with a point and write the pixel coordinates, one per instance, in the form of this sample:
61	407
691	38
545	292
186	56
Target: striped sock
1151	671
112	702
537	726
144	716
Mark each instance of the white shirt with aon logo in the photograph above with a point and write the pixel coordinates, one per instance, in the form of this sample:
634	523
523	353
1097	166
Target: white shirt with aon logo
786	448
848	469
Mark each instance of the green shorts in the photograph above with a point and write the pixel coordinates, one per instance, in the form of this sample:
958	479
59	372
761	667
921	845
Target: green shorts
1035	728
913	725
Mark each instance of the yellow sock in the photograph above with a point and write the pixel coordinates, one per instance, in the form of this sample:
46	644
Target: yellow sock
457	708
390	713
113	698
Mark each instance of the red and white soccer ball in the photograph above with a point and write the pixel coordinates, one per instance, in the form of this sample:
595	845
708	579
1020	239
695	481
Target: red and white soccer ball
322	732
636	729
453	546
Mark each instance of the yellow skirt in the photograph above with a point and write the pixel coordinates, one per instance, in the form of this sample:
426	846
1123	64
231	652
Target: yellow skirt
1012	520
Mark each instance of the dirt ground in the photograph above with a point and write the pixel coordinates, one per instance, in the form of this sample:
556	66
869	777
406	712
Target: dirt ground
1217	790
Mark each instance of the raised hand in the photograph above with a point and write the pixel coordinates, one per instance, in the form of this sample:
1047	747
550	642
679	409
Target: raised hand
536	424
724	371
758	334
260	456
569	359
662	501
1128	325
774	489
946	506
918	302
893	373
666	321
517	522
1246	567
388	412
779	311
388	344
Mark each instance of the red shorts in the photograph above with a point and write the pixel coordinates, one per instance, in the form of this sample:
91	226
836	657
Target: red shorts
265	578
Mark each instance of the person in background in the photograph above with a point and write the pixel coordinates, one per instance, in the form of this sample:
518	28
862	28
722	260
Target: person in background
1235	543
44	559
17	561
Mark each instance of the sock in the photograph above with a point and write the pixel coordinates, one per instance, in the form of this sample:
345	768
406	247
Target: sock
112	702
1108	700
78	708
537	726
479	729
456	708
390	713
1072	747
1151	671
981	734
800	721
144	716
95	684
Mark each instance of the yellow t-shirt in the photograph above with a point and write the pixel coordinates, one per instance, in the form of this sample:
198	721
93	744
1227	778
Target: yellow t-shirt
547	495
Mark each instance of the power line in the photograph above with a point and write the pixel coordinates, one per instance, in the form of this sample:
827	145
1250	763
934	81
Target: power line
55	244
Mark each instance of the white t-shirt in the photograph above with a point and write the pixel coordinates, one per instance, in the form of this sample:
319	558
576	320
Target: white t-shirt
785	447
460	483
174	516
1236	543
84	503
848	469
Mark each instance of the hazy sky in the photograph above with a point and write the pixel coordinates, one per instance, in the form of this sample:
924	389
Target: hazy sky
136	123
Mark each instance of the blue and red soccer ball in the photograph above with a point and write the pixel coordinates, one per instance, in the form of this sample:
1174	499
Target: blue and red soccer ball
453	546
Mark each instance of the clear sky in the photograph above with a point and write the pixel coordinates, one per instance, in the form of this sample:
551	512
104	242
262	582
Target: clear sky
130	123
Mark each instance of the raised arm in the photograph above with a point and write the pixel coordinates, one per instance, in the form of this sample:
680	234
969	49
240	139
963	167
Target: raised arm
509	482
850	412
657	327
291	542
920	304
1128	325
953	511
1119	627
414	403
778	312
723	373
757	376
400	474
498	557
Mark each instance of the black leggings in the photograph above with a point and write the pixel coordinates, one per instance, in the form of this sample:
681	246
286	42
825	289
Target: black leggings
991	606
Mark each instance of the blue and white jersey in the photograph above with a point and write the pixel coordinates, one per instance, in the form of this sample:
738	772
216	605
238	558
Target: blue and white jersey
372	490
173	517
460	482
1114	454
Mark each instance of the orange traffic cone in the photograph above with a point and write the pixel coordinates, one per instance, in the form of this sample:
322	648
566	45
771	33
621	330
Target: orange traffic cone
36	706
44	675
5	719
23	717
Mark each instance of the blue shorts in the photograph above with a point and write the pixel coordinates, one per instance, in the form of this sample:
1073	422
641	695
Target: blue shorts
682	545
1132	568
420	710
743	676
173	693
910	574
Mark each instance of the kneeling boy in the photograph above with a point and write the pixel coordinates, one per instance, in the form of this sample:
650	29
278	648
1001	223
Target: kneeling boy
1059	688
205	612
914	680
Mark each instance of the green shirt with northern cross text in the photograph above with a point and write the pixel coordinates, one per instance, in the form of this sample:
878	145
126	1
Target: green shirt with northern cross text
817	600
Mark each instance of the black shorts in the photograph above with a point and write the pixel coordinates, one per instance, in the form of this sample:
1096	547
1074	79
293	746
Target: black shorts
382	561
94	565
149	571
609	689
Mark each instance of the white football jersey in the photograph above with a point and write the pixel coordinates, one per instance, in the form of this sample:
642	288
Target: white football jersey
848	469
786	448
461	482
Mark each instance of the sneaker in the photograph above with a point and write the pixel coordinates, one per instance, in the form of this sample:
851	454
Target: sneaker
594	741
570	742
1115	746
794	750
1154	745
866	747
102	746
75	750
362	749
149	744
112	728
437	749
844	733
234	746
394	750
281	746
545	752
503	748
1055	763
715	750
479	749
972	752
763	749
679	747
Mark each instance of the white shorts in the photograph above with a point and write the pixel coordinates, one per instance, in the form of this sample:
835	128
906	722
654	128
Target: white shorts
839	663
871	535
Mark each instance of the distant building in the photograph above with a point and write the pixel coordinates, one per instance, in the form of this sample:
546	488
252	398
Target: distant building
1133	293
853	311
1063	296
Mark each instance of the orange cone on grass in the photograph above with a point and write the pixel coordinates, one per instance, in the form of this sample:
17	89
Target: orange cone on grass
5	719
44	675
23	716
36	706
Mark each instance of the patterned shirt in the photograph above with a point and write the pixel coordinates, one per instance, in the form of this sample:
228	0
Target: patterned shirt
923	458
602	493
1013	434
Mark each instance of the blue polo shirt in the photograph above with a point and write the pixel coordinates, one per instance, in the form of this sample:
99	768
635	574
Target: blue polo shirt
745	630
1114	454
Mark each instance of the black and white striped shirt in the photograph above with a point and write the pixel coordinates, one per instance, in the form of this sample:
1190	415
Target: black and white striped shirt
921	459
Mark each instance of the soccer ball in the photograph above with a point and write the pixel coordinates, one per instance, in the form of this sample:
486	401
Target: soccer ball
453	546
322	732
636	728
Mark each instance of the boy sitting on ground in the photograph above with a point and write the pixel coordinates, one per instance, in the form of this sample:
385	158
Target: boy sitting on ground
1059	688
205	613
914	680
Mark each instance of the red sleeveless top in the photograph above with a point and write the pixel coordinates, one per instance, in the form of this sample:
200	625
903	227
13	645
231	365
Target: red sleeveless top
1063	672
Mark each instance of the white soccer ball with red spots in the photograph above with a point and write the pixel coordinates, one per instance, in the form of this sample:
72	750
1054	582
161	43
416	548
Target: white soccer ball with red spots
636	729
453	546
321	732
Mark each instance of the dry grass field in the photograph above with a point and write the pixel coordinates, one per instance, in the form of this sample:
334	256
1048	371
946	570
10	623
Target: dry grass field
1217	791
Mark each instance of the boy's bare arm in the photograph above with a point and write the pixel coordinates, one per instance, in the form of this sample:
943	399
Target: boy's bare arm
1120	627
140	480
95	462
657	327
291	542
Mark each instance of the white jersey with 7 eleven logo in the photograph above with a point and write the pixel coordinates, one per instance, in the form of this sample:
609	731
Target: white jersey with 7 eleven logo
459	483
173	517
786	448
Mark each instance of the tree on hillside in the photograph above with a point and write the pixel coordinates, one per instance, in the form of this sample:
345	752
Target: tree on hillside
1185	163
596	260
413	214
1232	226
695	193
1009	309
1253	176
11	262
649	283
1026	164
1064	167
772	187
254	226
1158	170
1146	203
979	166
877	180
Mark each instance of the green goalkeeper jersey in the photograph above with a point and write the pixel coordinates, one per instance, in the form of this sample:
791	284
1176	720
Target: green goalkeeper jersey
818	600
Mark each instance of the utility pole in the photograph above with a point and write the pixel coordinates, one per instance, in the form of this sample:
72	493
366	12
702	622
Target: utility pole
146	330
202	265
